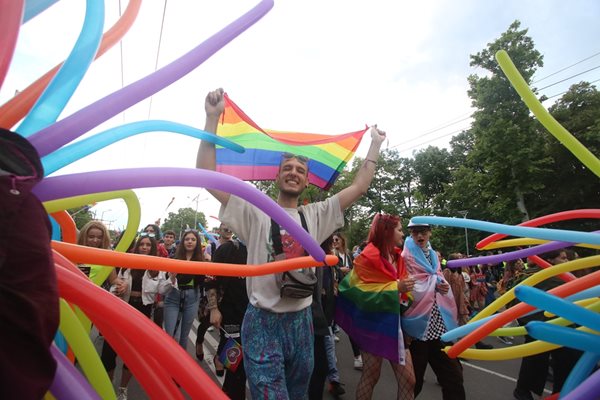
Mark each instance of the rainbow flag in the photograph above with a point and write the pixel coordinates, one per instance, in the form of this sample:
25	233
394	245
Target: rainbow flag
328	154
231	355
368	307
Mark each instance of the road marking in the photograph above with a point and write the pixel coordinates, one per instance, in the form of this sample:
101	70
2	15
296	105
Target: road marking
489	371
211	348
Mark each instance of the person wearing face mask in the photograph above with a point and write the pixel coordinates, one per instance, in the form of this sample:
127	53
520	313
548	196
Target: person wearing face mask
432	314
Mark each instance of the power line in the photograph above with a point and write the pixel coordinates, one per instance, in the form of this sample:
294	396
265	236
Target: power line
570	77
162	25
565	68
446	125
561	93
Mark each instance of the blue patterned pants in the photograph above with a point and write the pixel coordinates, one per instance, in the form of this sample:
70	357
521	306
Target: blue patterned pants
278	353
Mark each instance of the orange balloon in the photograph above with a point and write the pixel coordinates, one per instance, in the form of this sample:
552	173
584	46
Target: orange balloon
106	308
517	311
67	226
89	255
16	108
546	219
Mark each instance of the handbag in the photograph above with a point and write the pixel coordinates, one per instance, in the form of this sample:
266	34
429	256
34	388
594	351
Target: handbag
295	284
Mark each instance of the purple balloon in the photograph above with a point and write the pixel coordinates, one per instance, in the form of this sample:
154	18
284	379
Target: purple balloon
59	187
588	389
68	382
513	255
66	130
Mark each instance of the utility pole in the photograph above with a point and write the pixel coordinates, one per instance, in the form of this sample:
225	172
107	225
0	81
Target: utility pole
464	214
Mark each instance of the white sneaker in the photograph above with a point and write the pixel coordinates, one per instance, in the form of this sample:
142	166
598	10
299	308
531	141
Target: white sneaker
358	363
336	338
122	393
211	328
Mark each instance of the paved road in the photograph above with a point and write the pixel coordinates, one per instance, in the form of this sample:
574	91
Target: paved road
489	380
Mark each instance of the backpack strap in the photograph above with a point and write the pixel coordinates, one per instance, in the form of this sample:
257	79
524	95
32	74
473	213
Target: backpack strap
276	234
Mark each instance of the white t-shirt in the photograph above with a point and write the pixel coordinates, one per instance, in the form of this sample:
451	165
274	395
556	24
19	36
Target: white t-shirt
254	228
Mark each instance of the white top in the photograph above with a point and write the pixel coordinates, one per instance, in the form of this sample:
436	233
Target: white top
254	229
150	286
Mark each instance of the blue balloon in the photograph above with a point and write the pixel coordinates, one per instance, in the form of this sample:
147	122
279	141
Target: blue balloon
73	152
584	367
34	7
56	232
208	235
540	299
521	231
54	99
61	342
563	336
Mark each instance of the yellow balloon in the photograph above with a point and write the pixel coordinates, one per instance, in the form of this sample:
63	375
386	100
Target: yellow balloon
521	242
590	304
86	353
133	221
534	280
557	130
509	353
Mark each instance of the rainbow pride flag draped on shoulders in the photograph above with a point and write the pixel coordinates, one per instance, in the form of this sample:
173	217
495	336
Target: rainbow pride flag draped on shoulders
416	319
328	154
368	306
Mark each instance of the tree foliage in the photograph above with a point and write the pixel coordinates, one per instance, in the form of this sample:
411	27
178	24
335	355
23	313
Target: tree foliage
183	219
505	168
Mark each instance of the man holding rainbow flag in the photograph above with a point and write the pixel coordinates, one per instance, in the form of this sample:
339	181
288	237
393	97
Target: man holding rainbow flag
277	330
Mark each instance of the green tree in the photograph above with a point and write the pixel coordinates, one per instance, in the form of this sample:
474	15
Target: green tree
183	219
81	215
503	167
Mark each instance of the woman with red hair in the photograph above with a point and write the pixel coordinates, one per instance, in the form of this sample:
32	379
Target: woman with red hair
371	300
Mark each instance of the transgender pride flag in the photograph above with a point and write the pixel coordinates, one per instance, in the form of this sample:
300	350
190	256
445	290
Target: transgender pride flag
328	154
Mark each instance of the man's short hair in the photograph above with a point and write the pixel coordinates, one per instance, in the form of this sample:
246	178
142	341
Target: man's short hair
169	232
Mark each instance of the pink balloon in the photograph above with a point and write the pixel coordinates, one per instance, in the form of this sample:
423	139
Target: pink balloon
10	22
59	187
64	131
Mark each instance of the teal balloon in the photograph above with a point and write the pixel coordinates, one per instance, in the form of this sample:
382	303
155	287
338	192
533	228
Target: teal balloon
73	152
572	312
584	367
56	96
521	231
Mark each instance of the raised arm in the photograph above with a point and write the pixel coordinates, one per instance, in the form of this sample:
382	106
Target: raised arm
207	158
365	174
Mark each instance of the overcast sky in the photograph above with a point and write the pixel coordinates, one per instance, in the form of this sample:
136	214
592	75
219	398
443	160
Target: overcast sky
313	65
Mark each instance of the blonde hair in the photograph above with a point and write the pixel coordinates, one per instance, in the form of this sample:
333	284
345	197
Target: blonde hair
81	239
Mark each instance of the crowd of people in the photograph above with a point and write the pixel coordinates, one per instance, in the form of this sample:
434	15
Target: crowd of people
393	297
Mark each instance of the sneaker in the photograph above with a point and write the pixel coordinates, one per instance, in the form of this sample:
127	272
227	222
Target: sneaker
122	393
336	338
358	363
504	339
522	394
336	389
211	328
483	346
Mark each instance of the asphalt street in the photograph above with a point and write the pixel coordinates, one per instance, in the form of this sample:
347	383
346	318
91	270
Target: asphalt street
489	380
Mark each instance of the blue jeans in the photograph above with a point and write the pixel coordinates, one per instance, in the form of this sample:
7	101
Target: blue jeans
278	353
181	308
332	373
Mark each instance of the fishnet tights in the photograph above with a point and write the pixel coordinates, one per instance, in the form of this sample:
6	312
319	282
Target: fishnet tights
405	376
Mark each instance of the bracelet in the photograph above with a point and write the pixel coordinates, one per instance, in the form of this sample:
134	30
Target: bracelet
369	160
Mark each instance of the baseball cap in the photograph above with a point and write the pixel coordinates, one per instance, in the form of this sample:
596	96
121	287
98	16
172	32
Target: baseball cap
412	224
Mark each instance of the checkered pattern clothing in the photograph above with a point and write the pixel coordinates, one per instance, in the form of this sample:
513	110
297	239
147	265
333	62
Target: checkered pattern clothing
436	327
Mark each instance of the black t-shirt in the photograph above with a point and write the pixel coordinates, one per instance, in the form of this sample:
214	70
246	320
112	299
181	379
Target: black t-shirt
233	289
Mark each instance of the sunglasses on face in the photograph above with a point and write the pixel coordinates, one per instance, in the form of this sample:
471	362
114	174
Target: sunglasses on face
189	230
226	230
302	159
